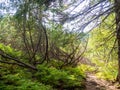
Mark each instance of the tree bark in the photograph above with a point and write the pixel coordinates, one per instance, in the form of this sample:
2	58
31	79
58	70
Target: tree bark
117	12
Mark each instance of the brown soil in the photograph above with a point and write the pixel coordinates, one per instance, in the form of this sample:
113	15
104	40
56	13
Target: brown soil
93	83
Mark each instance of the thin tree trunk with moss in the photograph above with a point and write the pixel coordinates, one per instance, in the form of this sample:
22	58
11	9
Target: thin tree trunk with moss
117	11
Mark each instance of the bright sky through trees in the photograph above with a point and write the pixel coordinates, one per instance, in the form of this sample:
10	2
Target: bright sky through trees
78	9
9	10
72	10
76	24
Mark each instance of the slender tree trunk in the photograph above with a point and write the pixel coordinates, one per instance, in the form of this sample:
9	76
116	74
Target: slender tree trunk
117	11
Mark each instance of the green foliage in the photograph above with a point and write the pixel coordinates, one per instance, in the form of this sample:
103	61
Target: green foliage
18	81
7	49
63	39
101	42
29	34
71	77
15	78
86	68
108	71
56	63
102	49
8	33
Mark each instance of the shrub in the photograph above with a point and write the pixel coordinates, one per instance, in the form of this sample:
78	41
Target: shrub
86	68
108	72
18	81
60	78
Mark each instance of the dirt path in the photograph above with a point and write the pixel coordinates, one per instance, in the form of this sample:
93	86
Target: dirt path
93	83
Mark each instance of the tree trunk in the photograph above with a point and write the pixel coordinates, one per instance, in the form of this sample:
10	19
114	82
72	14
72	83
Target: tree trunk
117	11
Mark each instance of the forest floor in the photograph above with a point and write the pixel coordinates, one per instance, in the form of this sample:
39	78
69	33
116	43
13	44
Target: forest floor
94	83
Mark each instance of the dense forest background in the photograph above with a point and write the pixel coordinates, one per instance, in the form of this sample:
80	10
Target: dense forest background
55	44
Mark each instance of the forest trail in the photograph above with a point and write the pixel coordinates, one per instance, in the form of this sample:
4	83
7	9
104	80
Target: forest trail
93	83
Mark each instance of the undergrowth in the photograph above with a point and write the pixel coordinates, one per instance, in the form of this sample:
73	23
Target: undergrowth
47	77
106	70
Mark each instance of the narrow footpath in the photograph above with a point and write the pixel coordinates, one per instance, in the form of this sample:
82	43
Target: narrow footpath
93	83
